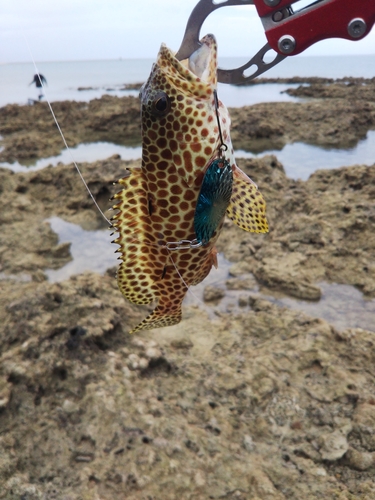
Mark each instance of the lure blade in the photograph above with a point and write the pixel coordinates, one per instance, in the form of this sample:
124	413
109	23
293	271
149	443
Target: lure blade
213	199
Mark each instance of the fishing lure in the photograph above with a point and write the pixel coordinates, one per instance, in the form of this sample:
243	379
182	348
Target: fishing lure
171	210
213	199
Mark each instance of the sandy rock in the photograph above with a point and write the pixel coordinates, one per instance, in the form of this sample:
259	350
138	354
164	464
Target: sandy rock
364	417
333	446
245	282
243	300
314	122
285	275
212	293
5	393
153	353
364	424
248	443
358	90
239	405
358	460
29	131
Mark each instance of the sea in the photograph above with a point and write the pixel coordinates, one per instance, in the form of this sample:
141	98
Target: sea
109	76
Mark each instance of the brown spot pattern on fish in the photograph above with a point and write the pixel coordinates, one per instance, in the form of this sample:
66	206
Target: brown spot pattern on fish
156	206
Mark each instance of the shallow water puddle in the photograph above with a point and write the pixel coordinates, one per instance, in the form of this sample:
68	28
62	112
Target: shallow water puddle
21	278
87	152
90	250
341	305
299	160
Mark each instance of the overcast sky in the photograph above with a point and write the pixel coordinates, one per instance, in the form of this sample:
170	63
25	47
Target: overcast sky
61	30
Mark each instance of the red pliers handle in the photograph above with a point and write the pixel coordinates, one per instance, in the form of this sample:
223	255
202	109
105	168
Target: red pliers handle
291	33
288	31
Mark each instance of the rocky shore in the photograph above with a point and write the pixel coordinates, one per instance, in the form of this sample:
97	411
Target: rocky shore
261	403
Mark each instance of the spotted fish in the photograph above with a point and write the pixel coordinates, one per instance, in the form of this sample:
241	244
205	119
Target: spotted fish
170	211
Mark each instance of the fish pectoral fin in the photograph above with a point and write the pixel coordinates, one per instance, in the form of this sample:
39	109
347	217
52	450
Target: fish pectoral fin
160	317
247	207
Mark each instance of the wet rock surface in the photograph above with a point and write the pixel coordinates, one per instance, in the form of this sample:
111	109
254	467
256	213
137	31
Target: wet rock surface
341	120
334	122
358	90
263	403
29	132
322	230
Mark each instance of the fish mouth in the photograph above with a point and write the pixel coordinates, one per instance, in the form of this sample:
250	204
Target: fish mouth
203	62
200	68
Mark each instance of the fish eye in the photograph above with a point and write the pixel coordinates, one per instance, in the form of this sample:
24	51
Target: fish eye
161	104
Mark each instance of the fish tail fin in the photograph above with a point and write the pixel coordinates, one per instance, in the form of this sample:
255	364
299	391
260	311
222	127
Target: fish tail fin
160	317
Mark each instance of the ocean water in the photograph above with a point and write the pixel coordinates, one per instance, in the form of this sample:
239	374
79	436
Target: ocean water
109	76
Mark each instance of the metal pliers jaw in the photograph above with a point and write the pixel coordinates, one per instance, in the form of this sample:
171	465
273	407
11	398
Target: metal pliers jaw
190	44
288	31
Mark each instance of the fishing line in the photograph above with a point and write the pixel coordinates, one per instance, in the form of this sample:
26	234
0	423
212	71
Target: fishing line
183	281
62	135
223	147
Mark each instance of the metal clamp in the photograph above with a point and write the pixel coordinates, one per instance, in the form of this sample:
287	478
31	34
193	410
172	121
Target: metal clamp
289	32
183	244
190	43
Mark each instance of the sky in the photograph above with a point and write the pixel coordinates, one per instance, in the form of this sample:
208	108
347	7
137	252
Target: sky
64	30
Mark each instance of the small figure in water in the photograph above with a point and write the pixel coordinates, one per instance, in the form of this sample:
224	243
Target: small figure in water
39	81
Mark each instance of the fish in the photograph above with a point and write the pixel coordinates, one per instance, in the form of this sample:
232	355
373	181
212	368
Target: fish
170	211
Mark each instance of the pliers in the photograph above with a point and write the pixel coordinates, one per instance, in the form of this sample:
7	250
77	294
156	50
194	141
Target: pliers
288	31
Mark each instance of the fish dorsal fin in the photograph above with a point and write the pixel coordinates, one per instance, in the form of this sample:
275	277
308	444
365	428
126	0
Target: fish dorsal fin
247	207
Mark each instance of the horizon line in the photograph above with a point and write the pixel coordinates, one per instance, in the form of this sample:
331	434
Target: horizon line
119	59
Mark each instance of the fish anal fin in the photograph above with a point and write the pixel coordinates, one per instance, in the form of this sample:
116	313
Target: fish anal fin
206	267
247	207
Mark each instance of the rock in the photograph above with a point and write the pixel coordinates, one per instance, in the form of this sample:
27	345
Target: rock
238	405
259	304
62	251
248	443
358	460
243	300
153	353
285	275
26	135
182	344
243	283
212	293
333	446
364	424
5	394
69	406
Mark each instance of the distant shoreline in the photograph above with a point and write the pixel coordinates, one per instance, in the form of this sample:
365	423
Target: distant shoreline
260	81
